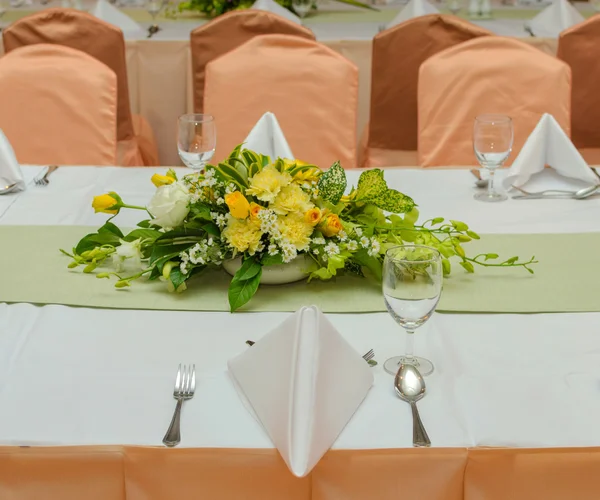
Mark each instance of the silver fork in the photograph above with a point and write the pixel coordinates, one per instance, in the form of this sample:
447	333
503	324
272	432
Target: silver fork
185	385
41	179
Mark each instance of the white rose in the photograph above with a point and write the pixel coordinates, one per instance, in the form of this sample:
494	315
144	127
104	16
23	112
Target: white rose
169	205
128	256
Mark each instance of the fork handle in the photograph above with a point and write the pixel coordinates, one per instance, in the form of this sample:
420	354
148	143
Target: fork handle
173	435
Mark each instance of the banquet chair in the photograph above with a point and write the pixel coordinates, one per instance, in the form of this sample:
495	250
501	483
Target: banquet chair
486	75
59	106
229	31
390	139
311	89
578	47
105	42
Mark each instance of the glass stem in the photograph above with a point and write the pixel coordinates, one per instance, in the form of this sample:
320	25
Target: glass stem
410	344
491	191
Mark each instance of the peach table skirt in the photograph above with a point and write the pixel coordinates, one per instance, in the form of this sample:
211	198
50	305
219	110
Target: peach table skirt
160	83
139	473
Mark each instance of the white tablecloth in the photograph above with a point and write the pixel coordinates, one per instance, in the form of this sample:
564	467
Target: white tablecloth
92	376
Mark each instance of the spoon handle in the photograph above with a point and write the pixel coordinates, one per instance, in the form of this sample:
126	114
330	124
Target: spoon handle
420	437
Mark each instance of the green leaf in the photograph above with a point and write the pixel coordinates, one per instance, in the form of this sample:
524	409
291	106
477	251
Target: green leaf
212	229
332	184
272	260
111	228
200	211
411	216
145	223
230	174
436	221
145	234
240	292
356	3
93	240
322	274
236	151
394	201
373	264
167	252
177	277
512	260
249	269
372	188
473	235
334	263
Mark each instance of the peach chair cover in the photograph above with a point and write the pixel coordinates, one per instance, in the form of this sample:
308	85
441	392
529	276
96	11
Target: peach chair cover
486	75
397	56
229	31
82	31
59	106
578	47
312	90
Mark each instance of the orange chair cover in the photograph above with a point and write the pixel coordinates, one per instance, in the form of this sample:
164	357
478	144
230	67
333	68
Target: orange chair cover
229	31
142	473
486	75
578	47
82	31
311	89
59	106
397	56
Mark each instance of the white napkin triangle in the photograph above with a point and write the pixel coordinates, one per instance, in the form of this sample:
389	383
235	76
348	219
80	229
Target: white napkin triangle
304	383
414	8
548	145
10	171
114	16
275	8
555	18
267	138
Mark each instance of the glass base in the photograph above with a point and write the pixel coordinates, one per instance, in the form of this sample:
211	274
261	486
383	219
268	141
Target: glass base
424	366
485	196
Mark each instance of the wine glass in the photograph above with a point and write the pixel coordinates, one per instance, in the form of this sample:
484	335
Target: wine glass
196	139
412	285
302	7
492	143
154	7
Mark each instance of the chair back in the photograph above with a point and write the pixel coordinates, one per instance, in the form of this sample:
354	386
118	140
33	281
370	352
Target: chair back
82	31
312	90
229	31
578	47
397	56
486	75
59	106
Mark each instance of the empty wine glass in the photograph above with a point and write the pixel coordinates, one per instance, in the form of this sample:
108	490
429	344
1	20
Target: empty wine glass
412	285
302	7
154	7
492	143
196	139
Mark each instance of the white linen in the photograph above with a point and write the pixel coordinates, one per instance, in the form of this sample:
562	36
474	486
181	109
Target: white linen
549	145
10	171
267	138
414	8
555	18
114	16
73	375
275	8
304	382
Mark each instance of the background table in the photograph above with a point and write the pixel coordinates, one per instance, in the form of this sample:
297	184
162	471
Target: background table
81	376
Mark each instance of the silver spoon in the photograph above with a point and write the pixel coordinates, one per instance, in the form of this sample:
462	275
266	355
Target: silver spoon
8	189
480	183
410	387
580	194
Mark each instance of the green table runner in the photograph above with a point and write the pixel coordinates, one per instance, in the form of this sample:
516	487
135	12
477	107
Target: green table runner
567	279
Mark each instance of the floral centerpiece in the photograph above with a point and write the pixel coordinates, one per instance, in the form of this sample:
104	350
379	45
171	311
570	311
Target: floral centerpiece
268	213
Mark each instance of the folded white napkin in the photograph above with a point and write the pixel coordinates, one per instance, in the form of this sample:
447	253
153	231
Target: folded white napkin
267	138
114	16
414	8
275	8
10	171
304	382
555	18
548	145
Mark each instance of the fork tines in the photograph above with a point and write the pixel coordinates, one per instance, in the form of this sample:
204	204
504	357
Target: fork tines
185	382
368	356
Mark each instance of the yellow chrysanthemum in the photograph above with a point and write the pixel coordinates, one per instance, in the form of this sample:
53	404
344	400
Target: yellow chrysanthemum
267	183
295	230
243	235
291	199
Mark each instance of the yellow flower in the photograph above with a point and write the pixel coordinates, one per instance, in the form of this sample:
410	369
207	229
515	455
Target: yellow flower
291	199
295	230
243	235
267	183
313	216
254	209
331	225
238	204
162	180
109	203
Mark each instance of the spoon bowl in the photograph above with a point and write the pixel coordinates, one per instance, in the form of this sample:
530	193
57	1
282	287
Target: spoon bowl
410	387
585	192
479	182
8	189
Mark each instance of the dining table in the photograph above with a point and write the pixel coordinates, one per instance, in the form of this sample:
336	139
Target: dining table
86	392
